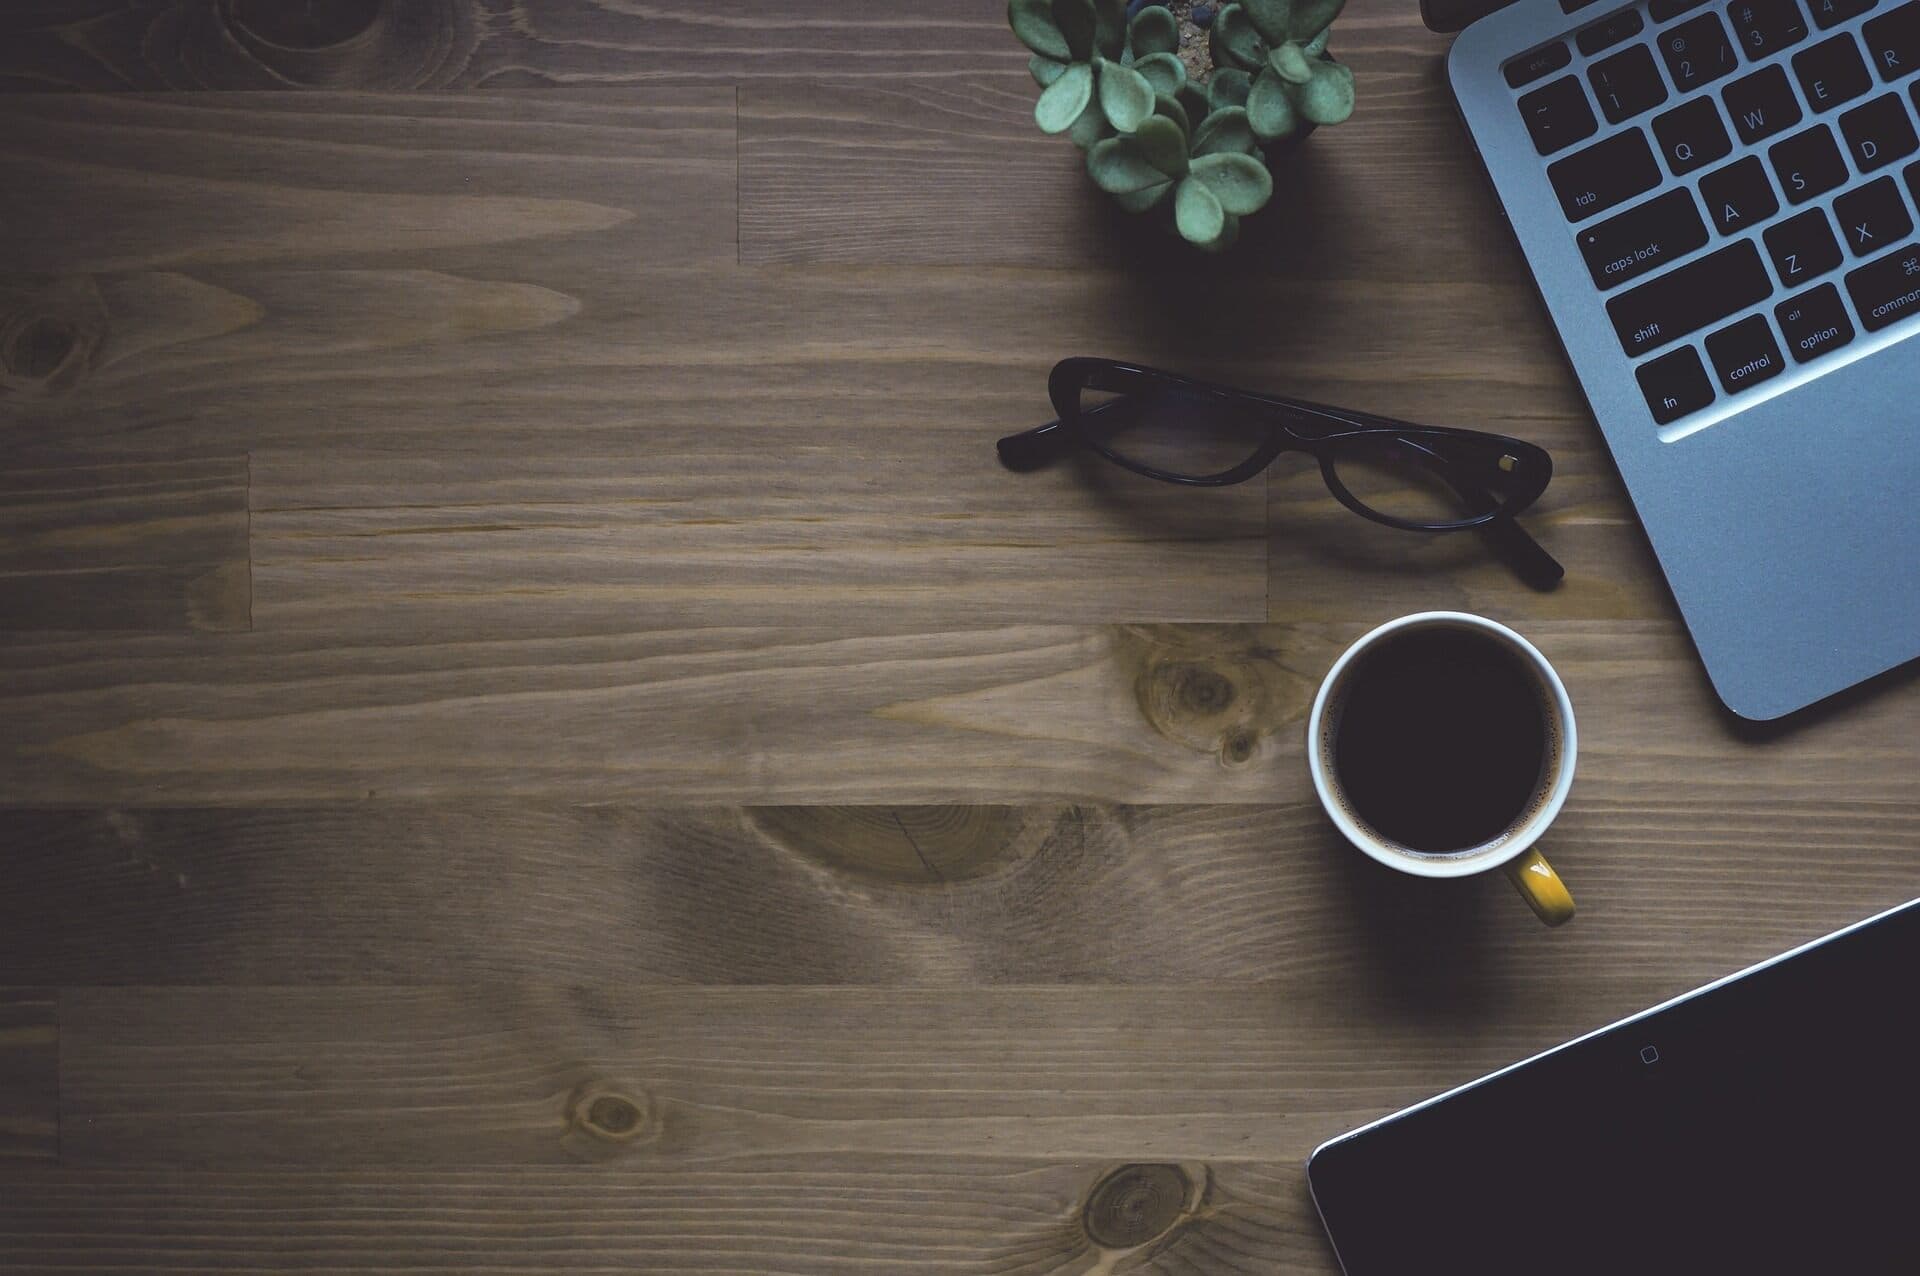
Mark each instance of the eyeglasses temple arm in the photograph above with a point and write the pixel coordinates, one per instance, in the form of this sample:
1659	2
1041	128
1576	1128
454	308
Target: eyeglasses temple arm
1035	448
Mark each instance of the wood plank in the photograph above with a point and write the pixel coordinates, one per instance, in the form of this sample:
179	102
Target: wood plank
1152	713
522	1074
29	1075
106	45
138	544
914	896
799	1216
956	172
286	178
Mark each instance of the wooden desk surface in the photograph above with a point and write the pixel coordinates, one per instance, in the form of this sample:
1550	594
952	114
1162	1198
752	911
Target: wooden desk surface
535	735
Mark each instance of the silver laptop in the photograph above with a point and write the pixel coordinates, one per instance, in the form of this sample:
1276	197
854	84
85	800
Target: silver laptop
1719	203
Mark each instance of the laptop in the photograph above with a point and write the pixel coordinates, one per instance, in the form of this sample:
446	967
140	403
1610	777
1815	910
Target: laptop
1765	1123
1719	204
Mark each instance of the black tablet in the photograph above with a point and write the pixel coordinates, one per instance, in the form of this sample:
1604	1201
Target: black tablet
1769	1122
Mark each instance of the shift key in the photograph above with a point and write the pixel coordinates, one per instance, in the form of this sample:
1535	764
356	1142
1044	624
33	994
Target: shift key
1686	300
1605	174
1641	239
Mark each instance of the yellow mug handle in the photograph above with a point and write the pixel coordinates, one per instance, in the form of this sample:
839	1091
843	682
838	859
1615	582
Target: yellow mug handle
1540	886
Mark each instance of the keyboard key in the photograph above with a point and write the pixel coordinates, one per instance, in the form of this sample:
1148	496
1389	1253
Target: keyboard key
1814	323
1675	384
1745	354
1808	163
1828	14
1642	239
1627	84
1878	133
1739	196
1544	60
1913	182
1558	115
1697	52
1767	26
1893	41
1609	31
1762	104
1803	248
1832	72
1667	10
1605	174
1692	136
1873	217
1886	291
1688	298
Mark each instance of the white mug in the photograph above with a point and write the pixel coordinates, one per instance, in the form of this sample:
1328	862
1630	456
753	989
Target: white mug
1515	848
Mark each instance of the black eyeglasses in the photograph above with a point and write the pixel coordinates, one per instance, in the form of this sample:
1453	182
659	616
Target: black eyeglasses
1418	477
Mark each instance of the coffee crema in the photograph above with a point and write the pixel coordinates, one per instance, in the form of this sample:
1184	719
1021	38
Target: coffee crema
1442	739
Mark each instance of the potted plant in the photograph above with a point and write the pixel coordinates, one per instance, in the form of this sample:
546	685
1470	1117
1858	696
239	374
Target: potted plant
1187	127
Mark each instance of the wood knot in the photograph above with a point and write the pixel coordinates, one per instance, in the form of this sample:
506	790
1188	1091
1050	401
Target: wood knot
307	24
356	44
603	1119
1213	688
49	335
1136	1204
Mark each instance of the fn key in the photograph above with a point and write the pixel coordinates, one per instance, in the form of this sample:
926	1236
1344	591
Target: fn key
1675	384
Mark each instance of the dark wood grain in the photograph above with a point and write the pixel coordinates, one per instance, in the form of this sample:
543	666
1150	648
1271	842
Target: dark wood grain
816	1215
144	544
1154	713
29	1075
108	45
949	897
625	445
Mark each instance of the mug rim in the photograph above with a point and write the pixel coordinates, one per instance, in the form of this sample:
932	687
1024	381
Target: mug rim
1512	844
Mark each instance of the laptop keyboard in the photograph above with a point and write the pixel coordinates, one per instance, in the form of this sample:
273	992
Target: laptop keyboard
1637	117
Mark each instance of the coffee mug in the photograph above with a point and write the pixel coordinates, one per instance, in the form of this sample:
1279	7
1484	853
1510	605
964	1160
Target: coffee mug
1420	743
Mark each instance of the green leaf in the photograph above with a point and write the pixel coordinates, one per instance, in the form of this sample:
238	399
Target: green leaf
1032	21
1227	87
1163	144
1273	19
1234	42
1171	109
1064	99
1311	18
1225	132
1193	99
1270	110
1075	20
1165	72
1318	45
1327	98
1110	27
1197	212
1153	30
1141	201
1229	234
1240	182
1290	64
1118	168
1045	70
1090	127
1125	96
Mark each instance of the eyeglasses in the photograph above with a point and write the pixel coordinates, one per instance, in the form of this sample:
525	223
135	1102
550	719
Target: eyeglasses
1177	430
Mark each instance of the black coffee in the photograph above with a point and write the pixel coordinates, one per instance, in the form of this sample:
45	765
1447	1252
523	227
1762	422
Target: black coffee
1439	738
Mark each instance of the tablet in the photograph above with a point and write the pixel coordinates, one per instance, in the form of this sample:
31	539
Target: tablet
1768	1122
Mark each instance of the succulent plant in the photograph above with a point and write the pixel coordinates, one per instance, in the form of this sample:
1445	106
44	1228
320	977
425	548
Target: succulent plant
1267	54
1117	86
